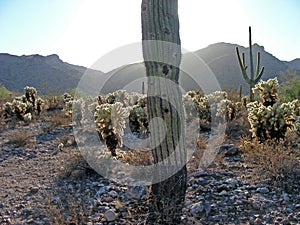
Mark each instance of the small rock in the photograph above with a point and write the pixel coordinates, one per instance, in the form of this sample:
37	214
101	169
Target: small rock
255	205
113	194
223	192
231	152
34	190
267	218
110	215
109	199
263	190
285	197
187	203
137	192
199	208
285	222
224	148
102	190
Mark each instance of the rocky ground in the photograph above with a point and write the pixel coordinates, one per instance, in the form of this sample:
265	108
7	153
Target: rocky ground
45	183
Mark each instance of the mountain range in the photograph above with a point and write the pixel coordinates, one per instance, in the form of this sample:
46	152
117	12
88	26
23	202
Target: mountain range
49	74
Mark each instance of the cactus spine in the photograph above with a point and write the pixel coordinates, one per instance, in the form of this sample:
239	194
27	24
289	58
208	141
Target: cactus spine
254	78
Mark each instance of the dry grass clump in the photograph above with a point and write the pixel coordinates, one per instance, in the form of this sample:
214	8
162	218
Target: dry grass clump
238	127
56	119
135	158
70	210
197	155
21	138
75	166
277	163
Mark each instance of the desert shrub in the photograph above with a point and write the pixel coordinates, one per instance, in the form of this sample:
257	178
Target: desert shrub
290	87
20	138
278	163
4	92
59	119
70	209
239	126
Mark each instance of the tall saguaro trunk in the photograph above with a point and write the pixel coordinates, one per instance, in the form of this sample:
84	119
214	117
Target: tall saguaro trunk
254	77
162	57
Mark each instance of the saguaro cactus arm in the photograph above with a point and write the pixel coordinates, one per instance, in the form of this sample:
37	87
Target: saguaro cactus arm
242	65
259	72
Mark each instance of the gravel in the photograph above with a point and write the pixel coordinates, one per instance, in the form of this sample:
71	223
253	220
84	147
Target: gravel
36	187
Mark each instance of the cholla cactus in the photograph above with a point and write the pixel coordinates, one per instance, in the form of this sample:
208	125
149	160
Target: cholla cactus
39	103
19	109
191	107
23	107
271	122
271	119
208	107
215	106
297	125
216	97
267	91
117	96
225	110
8	110
67	97
27	117
138	119
30	94
142	102
77	111
110	122
133	98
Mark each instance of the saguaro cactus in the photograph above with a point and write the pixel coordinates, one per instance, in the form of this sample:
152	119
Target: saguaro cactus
162	56
254	78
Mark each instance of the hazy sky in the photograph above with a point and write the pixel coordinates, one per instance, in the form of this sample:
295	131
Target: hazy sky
80	32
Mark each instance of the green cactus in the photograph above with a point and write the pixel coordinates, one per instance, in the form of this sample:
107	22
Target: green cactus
254	78
110	123
270	118
241	92
160	27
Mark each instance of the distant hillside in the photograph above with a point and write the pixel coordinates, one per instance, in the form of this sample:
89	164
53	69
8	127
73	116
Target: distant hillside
50	73
294	64
46	73
220	58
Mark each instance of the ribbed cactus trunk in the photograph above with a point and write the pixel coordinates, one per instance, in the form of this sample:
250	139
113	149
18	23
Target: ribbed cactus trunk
162	56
